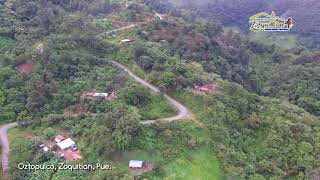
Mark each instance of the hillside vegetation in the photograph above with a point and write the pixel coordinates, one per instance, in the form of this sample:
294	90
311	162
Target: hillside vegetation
259	122
237	13
262	68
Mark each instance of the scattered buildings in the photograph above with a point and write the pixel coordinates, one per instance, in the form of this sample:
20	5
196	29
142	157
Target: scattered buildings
64	148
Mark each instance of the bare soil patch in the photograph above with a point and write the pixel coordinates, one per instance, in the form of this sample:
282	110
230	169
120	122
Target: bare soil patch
206	88
25	67
70	155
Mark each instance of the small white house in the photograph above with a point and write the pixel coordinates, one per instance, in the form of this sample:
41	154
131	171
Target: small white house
135	164
100	95
126	40
67	143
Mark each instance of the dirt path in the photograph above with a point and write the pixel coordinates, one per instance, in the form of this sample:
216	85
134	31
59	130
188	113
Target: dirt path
183	111
116	30
160	16
5	146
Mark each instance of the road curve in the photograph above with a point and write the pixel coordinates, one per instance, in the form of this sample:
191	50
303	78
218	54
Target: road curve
5	145
183	111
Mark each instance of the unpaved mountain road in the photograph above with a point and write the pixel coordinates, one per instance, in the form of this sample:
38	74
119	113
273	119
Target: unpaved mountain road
160	16
5	145
182	114
183	111
116	30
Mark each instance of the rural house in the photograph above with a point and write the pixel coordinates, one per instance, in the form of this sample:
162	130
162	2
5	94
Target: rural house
126	40
65	144
135	164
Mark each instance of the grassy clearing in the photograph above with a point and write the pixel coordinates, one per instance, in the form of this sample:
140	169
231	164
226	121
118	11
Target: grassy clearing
121	159
199	164
157	108
204	163
283	40
191	164
21	150
19	132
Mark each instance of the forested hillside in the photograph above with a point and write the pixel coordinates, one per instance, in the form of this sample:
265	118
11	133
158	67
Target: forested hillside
259	121
237	13
265	69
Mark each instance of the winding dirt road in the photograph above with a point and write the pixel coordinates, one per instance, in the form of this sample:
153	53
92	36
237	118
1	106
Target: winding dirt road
160	16
183	111
5	145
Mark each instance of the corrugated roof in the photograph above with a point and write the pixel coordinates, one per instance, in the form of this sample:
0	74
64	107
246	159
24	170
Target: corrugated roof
126	40
101	94
66	143
135	164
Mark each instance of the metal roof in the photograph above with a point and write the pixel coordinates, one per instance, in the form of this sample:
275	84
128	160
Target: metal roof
126	40
135	164
66	143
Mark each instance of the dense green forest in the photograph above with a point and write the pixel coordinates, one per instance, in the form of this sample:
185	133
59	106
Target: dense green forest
261	122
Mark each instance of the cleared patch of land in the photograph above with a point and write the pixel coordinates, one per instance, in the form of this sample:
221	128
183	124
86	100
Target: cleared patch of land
283	40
